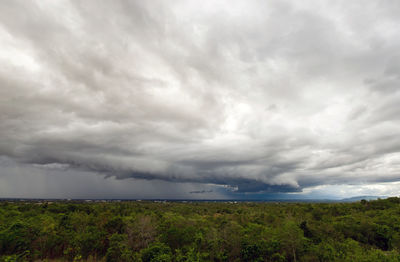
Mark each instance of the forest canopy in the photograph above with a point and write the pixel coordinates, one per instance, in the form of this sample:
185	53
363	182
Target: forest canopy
200	231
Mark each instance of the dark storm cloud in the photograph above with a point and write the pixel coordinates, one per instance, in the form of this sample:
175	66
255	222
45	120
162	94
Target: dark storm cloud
251	97
200	191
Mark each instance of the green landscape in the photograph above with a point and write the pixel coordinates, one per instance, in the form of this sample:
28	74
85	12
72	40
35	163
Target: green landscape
199	231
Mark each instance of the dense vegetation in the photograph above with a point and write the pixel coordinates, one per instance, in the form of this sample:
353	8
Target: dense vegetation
148	231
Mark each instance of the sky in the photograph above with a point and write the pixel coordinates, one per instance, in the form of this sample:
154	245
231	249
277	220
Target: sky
199	99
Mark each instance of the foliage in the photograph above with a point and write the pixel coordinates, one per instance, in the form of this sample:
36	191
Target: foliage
199	231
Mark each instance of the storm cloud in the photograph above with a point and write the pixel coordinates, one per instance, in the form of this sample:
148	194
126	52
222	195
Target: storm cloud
242	96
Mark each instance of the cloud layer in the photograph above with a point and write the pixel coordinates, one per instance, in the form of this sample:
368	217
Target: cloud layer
272	96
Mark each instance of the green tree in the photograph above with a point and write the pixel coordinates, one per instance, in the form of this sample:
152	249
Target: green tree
157	252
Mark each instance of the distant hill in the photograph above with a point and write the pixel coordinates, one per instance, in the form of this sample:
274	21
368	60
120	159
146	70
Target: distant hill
358	198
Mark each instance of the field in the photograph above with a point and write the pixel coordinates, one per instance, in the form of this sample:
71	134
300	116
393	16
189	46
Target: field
200	231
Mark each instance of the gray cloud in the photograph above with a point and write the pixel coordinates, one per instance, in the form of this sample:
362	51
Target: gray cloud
247	96
200	191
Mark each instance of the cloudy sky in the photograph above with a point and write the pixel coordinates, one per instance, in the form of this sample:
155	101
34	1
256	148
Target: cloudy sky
199	99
